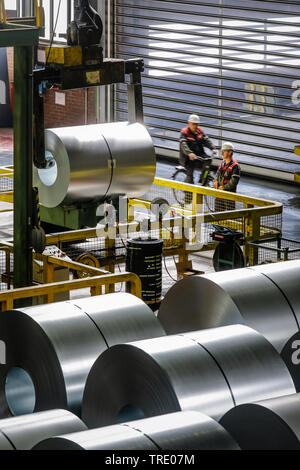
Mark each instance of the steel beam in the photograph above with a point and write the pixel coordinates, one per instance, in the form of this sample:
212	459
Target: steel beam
23	155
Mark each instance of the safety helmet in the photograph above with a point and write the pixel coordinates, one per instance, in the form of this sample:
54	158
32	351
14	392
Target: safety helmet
228	146
194	118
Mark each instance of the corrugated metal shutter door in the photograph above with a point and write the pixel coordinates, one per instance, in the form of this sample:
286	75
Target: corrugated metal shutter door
235	63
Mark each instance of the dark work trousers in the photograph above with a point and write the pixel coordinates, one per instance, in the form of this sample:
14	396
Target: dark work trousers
191	166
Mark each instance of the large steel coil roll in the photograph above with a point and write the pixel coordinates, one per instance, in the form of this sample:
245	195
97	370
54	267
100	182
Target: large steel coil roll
108	438
208	371
286	276
241	296
267	425
4	443
51	348
87	163
188	430
246	357
120	317
24	432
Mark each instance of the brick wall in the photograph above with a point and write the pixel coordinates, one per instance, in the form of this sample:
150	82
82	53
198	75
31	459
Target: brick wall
73	113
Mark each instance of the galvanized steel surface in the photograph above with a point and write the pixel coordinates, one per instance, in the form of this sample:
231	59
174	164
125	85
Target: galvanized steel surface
90	162
286	276
176	431
109	438
157	376
57	344
251	365
269	424
24	432
207	371
241	296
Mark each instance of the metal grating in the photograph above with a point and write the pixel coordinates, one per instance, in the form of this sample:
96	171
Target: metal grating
239	74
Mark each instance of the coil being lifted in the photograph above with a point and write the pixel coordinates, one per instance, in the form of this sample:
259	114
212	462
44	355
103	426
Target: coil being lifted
24	432
267	425
208	371
188	430
261	298
88	163
51	348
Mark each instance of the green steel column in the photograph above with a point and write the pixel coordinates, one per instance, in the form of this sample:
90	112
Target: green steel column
23	154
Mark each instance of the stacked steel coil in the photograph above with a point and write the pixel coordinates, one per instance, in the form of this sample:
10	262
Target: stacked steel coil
266	298
208	371
24	432
267	425
177	431
51	348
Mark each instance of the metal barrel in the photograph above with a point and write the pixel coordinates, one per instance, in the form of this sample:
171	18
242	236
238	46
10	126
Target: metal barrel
144	258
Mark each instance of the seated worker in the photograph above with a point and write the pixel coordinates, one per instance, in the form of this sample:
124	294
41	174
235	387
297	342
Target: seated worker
193	140
227	177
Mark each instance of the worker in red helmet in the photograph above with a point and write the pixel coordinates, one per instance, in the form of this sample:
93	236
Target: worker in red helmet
193	141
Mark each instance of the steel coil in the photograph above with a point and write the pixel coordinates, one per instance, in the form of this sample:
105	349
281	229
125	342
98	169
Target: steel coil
24	432
87	163
286	276
241	296
267	425
176	431
252	367
51	348
108	438
4	443
208	371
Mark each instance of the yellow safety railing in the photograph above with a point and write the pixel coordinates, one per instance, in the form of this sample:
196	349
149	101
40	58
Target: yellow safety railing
7	298
6	196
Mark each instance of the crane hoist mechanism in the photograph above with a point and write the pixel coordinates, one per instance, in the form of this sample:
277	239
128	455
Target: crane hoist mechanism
124	168
87	27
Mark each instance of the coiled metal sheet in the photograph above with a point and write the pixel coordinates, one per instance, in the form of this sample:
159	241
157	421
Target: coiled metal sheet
240	296
168	374
121	317
286	276
51	348
188	430
252	367
4	443
266	425
156	376
176	431
108	438
90	162
24	432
